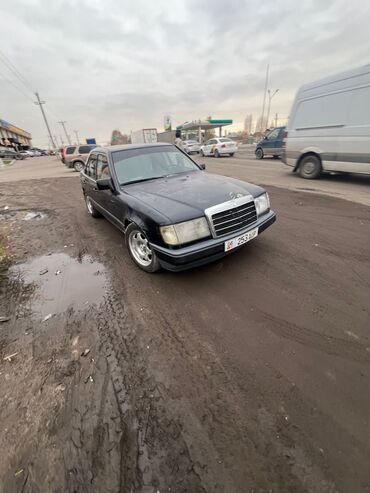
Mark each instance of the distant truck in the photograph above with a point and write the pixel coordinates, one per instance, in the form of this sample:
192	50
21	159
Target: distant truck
144	136
169	136
329	126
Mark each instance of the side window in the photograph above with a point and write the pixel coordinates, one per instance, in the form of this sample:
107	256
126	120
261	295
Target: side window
70	150
273	135
102	169
84	149
91	166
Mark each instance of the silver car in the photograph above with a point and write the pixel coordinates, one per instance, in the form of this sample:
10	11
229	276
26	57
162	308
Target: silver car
191	146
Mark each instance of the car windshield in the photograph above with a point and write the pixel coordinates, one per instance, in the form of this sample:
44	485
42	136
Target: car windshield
149	163
225	140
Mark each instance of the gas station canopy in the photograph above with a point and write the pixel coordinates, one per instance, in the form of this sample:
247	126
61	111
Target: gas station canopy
204	124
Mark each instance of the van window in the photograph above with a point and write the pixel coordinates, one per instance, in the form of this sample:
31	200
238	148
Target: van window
70	150
327	110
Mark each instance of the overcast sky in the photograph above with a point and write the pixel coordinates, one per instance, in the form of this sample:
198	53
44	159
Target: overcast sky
106	64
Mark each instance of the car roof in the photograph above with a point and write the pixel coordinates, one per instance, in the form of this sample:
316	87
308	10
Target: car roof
125	147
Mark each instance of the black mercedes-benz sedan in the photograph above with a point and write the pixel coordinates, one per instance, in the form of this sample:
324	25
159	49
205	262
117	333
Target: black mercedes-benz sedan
174	214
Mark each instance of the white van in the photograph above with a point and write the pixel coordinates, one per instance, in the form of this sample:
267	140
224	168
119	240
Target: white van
329	126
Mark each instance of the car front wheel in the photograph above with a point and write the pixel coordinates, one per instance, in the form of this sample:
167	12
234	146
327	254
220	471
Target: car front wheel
216	154
140	249
202	153
259	153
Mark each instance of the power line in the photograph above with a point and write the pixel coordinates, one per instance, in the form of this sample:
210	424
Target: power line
12	68
15	87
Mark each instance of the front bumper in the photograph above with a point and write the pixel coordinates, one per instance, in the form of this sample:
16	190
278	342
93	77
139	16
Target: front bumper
206	251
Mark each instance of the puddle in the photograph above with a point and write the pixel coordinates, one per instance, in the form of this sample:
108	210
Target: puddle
61	282
34	215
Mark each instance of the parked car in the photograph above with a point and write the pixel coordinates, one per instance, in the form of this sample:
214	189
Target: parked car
271	144
9	153
218	147
329	126
173	214
191	146
66	150
75	156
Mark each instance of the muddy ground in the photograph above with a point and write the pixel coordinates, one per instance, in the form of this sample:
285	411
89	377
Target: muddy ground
247	375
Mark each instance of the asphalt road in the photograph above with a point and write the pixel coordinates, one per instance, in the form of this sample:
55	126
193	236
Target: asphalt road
249	374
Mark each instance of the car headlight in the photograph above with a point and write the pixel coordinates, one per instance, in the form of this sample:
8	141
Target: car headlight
262	204
177	234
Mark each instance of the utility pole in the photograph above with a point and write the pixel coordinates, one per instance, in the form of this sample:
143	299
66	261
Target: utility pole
40	103
269	106
264	96
65	131
76	132
276	119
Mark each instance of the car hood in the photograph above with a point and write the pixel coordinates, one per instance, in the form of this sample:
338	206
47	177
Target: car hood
185	196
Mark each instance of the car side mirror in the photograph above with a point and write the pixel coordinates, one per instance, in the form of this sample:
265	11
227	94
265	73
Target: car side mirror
105	184
202	166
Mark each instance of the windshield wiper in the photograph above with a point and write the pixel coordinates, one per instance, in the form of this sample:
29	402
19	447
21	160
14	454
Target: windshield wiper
141	179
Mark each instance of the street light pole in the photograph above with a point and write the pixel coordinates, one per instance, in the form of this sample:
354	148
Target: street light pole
40	103
269	106
76	132
264	96
65	131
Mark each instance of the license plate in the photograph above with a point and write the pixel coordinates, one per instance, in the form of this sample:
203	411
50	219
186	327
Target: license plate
240	240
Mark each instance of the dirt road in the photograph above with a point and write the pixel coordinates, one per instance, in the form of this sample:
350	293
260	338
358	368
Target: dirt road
248	375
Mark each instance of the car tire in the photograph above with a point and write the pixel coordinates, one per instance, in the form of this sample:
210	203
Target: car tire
216	153
139	249
202	153
90	207
259	153
231	154
310	167
78	166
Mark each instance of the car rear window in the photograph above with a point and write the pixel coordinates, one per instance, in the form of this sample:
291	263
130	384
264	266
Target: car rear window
85	149
70	150
225	140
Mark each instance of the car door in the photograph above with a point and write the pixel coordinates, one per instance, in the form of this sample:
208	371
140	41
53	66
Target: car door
205	148
88	177
270	144
106	199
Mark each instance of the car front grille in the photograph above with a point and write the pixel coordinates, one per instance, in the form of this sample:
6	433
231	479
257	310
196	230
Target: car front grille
233	219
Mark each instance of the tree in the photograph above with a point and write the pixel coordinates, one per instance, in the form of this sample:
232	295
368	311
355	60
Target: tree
118	138
248	122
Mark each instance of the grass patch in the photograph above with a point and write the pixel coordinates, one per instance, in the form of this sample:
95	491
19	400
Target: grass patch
4	254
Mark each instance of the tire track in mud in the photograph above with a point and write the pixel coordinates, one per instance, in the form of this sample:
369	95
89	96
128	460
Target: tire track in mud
122	437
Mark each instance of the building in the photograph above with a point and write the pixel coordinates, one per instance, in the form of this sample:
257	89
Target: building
13	136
